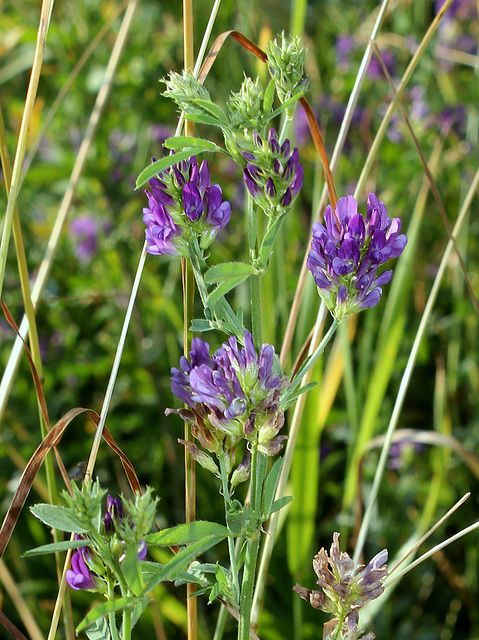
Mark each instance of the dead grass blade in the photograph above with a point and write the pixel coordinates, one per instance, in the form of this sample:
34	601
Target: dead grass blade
51	440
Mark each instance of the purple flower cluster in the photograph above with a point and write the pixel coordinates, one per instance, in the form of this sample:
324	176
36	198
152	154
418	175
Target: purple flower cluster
182	204
347	250
233	394
346	586
273	174
80	574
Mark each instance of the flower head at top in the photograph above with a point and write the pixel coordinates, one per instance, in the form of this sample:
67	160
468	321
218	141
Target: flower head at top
285	60
346	252
273	174
183	204
233	394
346	586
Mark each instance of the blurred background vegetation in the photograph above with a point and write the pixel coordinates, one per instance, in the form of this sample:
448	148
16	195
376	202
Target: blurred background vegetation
81	313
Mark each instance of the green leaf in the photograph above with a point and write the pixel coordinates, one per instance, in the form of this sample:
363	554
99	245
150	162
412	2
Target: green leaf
177	143
270	486
280	503
268	97
222	289
187	533
162	164
172	569
131	569
99	630
228	270
56	546
212	108
59	518
103	609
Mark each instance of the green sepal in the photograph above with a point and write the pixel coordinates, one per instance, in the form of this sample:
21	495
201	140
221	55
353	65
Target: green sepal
54	547
60	518
187	533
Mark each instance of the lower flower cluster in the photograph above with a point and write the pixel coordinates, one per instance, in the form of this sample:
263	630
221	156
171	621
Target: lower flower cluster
234	394
346	587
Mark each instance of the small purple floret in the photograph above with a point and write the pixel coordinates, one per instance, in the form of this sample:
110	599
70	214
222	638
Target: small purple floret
79	576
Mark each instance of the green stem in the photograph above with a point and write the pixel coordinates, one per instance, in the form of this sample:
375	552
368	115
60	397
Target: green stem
252	547
247	586
111	616
126	635
231	543
311	361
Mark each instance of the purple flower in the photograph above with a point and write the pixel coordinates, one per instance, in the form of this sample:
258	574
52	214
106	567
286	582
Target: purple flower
114	513
183	204
79	576
346	251
233	394
273	174
84	231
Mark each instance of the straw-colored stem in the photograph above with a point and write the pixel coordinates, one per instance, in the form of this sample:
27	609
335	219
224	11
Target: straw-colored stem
47	262
188	299
67	85
45	15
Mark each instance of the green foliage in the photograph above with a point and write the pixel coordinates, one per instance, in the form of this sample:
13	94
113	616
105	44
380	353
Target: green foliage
82	308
